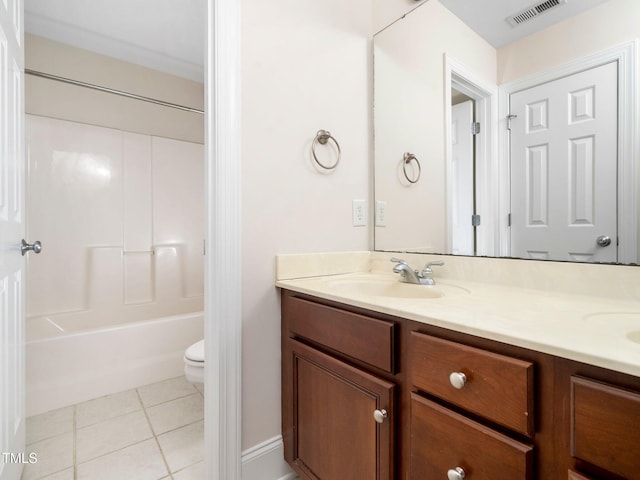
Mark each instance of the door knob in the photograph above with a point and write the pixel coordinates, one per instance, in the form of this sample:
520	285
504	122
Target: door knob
380	415
35	246
603	241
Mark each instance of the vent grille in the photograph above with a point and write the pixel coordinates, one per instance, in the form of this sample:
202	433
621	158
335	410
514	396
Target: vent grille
533	11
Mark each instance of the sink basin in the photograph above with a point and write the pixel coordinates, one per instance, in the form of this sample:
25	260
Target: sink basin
622	322
393	288
634	336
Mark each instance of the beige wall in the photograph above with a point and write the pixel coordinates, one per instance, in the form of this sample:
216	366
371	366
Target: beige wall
306	66
409	117
612	23
58	100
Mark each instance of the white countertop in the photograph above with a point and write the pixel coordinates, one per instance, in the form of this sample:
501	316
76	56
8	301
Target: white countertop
594	330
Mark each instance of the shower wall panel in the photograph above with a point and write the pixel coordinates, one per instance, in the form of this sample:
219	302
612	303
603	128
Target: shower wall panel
120	217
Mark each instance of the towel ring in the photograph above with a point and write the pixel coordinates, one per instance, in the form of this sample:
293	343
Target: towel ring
407	159
322	137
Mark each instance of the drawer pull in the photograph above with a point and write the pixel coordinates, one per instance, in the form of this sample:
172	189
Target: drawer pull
457	380
456	474
380	415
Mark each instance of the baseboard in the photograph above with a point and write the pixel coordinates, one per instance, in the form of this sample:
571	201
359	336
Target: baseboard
265	461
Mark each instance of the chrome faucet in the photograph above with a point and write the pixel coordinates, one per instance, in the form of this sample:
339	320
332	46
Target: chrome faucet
409	275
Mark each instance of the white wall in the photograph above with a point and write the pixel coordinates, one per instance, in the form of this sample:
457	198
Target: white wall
306	66
409	116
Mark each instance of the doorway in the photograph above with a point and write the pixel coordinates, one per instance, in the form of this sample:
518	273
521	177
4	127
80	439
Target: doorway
563	160
471	172
223	230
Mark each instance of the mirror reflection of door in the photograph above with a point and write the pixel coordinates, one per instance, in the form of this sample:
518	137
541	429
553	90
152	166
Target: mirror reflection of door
564	168
463	166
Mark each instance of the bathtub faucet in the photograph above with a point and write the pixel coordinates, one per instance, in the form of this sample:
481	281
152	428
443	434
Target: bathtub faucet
409	275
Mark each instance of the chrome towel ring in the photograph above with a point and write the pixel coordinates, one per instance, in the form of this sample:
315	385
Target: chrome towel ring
407	159
322	137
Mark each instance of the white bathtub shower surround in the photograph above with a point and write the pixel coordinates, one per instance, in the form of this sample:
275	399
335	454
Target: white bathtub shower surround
120	217
80	363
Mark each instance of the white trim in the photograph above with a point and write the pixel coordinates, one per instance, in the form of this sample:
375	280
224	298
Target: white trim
625	55
223	294
485	96
265	461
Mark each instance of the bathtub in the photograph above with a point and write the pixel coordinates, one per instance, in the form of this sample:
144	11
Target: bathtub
68	362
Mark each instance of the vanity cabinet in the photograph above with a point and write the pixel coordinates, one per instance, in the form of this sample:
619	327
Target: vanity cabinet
367	395
339	393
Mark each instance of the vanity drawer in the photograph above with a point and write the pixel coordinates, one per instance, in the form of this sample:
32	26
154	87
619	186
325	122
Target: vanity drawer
605	427
496	387
364	338
442	440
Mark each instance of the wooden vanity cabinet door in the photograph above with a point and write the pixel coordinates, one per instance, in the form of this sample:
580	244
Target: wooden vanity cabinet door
605	427
442	440
335	435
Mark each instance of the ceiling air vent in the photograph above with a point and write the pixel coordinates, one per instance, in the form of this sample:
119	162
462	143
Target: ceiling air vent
533	11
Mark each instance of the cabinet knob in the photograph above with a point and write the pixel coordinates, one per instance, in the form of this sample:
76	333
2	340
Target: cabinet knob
380	415
457	380
456	474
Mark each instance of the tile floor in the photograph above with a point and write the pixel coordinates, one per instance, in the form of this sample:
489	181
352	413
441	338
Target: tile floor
153	432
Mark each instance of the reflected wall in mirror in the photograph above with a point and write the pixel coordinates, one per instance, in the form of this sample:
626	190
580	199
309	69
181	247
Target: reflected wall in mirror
503	192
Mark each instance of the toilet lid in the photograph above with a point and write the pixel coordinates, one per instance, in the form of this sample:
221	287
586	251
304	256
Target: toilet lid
195	352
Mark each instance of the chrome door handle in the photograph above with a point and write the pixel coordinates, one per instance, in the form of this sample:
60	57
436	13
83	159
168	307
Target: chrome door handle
603	241
35	246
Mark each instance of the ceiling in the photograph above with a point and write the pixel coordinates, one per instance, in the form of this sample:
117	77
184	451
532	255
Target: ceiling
166	35
488	17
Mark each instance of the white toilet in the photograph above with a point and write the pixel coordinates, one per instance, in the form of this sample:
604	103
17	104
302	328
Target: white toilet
194	362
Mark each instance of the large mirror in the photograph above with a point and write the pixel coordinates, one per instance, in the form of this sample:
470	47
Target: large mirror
503	128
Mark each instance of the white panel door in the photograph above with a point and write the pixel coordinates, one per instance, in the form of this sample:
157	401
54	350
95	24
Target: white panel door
462	235
564	168
11	233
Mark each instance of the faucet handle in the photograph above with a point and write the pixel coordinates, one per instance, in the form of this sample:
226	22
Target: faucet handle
398	260
427	267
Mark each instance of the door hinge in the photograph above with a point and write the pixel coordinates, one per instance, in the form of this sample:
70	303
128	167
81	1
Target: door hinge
475	128
508	219
509	118
475	220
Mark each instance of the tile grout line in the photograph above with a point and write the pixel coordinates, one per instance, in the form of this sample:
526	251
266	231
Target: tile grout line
155	437
76	428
